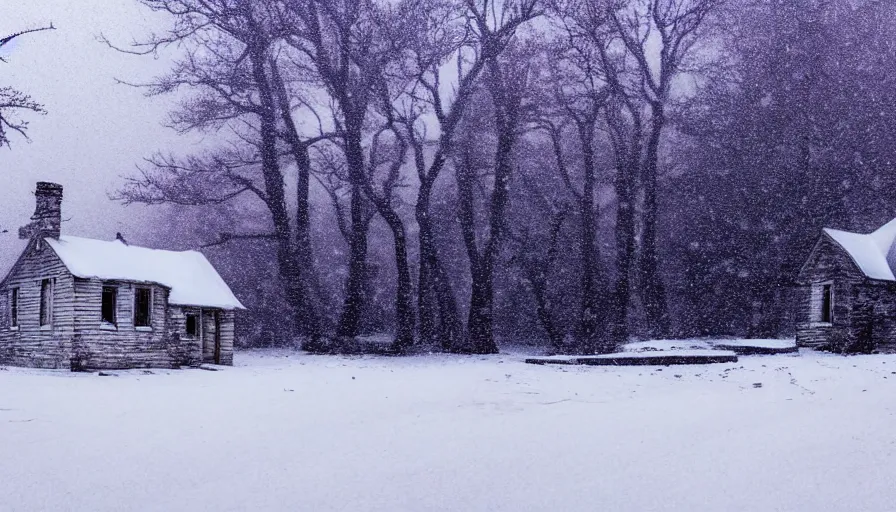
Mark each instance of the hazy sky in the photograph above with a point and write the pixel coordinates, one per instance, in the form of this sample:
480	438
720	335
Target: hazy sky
96	130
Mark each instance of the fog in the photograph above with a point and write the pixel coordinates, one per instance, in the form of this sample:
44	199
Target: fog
96	129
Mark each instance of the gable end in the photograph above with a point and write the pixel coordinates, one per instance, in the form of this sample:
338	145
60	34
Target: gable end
829	260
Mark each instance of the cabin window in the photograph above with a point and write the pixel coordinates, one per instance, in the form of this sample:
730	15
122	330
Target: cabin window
46	302
14	308
142	307
110	305
192	324
827	304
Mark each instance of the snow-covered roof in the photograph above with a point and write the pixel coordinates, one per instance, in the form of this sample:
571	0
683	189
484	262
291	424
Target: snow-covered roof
873	252
192	279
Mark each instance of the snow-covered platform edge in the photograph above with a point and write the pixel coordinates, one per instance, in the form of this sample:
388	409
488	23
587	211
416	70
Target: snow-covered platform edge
664	358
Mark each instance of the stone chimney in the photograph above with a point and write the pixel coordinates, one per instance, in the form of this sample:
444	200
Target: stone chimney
47	219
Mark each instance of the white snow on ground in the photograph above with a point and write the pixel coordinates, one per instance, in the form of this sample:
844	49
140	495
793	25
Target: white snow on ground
646	346
317	433
662	353
706	344
772	343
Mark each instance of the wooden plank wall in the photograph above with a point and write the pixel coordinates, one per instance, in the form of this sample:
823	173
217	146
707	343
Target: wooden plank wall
125	346
78	336
31	345
861	305
185	350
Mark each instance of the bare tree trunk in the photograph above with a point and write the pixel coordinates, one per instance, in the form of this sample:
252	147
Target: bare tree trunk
536	271
480	336
625	249
654	292
589	315
506	99
433	282
353	303
625	138
307	319
274	186
404	310
543	310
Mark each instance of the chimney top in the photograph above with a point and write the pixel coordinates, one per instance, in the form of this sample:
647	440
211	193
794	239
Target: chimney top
47	218
45	188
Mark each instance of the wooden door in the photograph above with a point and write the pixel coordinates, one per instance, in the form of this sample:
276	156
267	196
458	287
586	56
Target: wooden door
217	337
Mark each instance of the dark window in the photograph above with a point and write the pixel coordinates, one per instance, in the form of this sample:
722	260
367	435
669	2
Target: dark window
191	326
14	307
827	304
142	307
46	302
110	304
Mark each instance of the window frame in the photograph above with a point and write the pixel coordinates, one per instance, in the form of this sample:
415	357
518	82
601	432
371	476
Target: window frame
149	308
45	309
104	323
14	298
826	304
195	333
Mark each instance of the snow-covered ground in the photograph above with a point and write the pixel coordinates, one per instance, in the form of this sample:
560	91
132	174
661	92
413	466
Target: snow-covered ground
707	344
813	432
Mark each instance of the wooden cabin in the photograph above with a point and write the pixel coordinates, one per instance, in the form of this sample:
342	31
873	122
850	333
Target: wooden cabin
79	303
847	290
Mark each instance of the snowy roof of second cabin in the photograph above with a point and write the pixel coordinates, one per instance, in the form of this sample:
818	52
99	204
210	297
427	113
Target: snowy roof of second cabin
192	279
873	252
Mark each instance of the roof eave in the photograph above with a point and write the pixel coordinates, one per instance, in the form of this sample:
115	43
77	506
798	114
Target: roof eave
826	232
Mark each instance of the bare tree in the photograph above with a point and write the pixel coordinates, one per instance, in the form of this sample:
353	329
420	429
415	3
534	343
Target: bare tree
350	44
444	32
536	254
675	26
229	62
505	83
575	92
13	102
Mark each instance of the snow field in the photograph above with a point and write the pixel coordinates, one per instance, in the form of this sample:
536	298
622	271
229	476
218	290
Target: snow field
283	431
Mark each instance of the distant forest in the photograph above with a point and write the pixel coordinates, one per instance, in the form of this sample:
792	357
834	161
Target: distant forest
458	174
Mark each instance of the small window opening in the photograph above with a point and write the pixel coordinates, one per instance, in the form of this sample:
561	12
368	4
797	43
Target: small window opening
46	302
142	307
192	326
110	305
14	308
827	304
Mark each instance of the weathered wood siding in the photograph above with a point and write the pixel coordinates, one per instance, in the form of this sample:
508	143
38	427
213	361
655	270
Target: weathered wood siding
187	349
31	344
228	330
123	346
78	337
862	307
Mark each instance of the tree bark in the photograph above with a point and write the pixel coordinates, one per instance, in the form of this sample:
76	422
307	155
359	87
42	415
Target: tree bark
274	185
626	144
404	310
589	314
439	318
480	335
479	338
654	291
307	319
353	304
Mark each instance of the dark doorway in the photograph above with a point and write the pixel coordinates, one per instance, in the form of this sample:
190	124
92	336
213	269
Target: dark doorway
217	337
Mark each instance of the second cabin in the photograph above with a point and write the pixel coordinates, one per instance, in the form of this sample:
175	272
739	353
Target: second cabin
848	291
